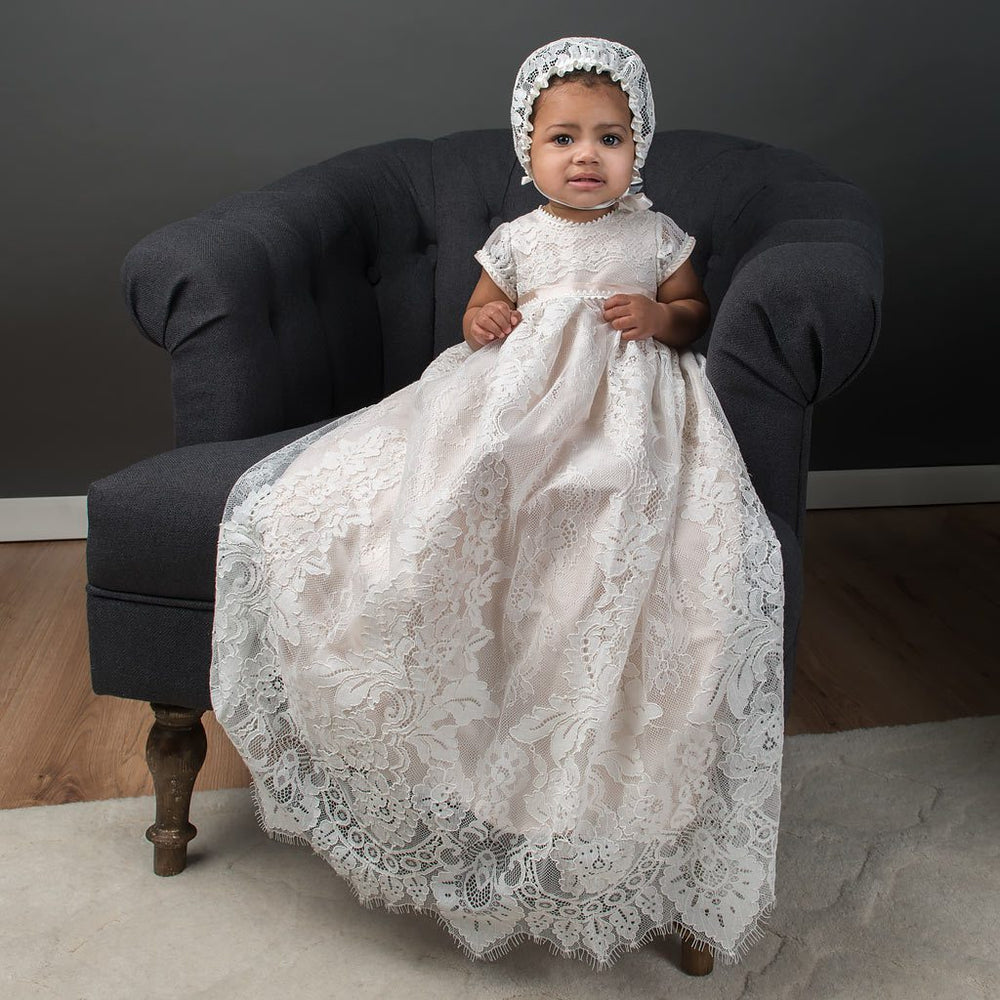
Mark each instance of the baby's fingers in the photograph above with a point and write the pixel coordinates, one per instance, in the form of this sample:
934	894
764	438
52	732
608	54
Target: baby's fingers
508	319
499	324
492	326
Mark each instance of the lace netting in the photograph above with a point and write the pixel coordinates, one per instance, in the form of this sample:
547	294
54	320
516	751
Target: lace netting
506	646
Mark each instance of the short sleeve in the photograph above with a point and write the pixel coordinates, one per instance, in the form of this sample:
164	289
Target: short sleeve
497	258
673	247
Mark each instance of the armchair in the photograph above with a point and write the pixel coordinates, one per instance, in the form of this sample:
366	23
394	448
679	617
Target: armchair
336	285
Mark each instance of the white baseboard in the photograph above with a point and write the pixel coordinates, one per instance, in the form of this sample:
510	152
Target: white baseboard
906	487
32	519
36	519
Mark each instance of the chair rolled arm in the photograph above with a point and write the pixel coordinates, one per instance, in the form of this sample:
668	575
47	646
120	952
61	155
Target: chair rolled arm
797	323
244	296
804	304
805	316
198	289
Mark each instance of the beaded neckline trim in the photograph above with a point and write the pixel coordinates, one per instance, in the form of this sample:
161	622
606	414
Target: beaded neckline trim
570	222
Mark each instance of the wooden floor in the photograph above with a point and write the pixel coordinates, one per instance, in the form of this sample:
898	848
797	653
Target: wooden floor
898	626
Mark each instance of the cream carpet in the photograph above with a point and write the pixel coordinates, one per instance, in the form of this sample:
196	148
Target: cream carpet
888	886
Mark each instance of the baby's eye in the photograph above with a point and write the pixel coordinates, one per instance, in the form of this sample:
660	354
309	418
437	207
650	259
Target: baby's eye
617	139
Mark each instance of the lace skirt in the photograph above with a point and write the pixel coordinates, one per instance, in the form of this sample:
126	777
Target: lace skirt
506	648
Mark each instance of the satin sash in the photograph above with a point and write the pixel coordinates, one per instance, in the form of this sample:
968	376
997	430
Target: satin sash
584	290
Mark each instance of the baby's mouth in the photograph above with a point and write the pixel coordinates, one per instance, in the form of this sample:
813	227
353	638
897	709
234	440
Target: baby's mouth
586	182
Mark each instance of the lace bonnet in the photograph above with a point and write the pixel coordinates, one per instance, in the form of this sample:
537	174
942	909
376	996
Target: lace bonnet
560	57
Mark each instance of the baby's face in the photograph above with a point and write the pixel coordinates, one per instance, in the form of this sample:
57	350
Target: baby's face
579	132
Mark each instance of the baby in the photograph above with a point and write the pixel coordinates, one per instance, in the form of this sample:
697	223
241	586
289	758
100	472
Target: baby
506	646
583	153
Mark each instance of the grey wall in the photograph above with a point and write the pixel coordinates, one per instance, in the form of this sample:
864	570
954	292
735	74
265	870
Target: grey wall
123	116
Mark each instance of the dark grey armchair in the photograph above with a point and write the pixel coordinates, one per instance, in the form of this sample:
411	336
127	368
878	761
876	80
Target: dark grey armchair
335	286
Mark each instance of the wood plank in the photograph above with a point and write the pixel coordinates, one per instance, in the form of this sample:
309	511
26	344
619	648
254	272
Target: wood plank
59	742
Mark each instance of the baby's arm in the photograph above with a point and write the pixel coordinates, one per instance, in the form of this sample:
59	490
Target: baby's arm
678	317
687	307
490	314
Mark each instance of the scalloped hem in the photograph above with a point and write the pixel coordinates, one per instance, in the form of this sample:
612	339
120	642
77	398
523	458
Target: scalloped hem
754	932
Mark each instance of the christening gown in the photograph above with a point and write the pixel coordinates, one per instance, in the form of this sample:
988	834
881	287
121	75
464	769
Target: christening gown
505	647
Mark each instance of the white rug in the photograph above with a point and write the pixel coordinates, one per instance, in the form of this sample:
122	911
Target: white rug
888	886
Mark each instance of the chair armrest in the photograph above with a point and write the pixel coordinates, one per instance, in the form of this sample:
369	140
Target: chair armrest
804	304
198	289
798	322
261	299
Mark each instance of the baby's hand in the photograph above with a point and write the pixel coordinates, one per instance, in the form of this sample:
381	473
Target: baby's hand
637	316
493	321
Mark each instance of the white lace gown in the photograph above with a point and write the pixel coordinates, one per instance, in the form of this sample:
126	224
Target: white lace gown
506	646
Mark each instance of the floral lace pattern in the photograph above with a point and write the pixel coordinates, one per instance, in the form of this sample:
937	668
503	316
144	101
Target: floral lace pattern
506	646
530	252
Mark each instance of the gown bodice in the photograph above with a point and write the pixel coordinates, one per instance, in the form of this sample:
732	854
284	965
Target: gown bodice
538	254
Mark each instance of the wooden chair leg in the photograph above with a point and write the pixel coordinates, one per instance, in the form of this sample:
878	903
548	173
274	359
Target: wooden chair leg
696	958
175	751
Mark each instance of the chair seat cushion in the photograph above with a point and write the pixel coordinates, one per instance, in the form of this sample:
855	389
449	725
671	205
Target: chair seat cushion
153	527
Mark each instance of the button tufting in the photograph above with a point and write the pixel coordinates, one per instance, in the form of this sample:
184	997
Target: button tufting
495	221
374	274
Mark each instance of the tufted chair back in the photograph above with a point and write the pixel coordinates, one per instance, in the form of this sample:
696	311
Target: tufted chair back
336	285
